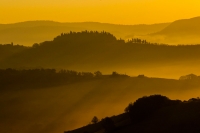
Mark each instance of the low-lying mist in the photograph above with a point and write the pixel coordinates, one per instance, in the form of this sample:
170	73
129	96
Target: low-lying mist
177	39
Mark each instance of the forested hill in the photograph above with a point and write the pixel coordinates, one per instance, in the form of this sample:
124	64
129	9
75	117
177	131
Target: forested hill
92	50
152	114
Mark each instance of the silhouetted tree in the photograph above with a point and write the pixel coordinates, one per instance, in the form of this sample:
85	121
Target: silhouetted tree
97	74
188	77
115	74
95	120
141	76
128	108
35	45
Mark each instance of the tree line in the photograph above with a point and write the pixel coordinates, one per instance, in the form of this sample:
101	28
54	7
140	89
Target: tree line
46	77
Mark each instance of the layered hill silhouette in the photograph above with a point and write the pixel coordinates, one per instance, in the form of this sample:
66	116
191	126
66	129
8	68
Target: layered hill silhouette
30	32
92	51
184	31
41	92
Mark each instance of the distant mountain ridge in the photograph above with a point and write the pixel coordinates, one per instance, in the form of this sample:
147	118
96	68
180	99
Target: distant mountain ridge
184	26
181	31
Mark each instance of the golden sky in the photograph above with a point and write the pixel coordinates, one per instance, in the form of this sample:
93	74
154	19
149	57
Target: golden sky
108	11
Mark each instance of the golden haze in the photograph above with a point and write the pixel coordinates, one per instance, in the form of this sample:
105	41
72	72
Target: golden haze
112	11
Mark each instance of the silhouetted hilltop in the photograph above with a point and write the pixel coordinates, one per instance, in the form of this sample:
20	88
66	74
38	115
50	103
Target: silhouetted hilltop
185	31
152	114
85	38
30	32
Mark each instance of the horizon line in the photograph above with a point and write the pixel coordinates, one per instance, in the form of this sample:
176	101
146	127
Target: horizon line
93	22
80	22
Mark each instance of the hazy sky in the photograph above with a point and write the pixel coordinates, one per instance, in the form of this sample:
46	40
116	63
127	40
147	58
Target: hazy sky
109	11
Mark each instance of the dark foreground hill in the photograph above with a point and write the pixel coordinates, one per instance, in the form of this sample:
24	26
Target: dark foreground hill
92	51
152	114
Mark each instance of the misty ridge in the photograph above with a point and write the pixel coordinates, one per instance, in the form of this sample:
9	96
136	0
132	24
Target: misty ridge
93	50
85	77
